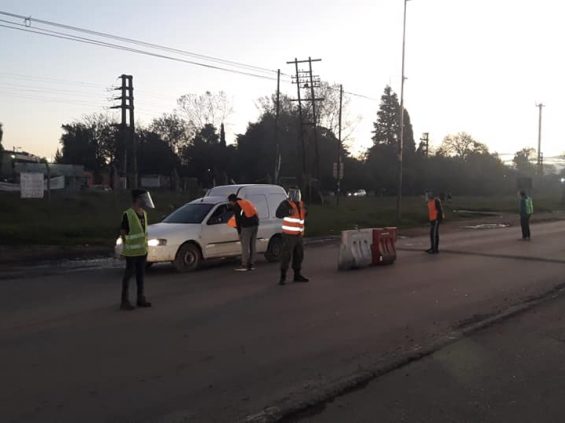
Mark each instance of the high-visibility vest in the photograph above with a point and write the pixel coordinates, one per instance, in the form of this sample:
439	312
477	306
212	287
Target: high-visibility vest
247	209
529	206
433	212
135	242
294	224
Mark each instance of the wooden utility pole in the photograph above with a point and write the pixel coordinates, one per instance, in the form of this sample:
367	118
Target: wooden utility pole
305	80
339	145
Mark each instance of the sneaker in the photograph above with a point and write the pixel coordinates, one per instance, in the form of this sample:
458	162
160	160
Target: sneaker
241	269
430	251
299	278
126	306
250	268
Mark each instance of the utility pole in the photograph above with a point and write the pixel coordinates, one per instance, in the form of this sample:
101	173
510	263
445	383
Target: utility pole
425	144
277	142
540	106
134	179
314	118
401	141
127	132
306	80
339	144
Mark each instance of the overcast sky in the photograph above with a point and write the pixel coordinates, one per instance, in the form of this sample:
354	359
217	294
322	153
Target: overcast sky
477	66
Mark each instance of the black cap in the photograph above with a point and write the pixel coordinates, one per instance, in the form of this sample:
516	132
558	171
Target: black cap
136	193
232	197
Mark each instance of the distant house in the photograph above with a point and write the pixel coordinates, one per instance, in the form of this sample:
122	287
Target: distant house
75	178
9	159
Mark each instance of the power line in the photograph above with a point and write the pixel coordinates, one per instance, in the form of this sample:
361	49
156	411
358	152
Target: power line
61	35
28	20
43	31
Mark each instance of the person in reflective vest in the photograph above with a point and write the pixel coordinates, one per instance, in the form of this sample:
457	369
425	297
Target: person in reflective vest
246	221
293	215
526	211
435	216
133	236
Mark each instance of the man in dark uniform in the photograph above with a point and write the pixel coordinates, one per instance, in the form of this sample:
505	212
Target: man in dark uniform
435	216
133	234
293	213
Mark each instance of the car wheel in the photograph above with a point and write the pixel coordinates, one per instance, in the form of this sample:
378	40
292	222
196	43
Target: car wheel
188	258
274	249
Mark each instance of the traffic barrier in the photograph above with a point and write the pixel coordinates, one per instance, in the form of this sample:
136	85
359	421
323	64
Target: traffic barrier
355	249
383	247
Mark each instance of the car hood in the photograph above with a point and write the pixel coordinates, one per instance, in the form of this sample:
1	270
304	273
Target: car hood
174	231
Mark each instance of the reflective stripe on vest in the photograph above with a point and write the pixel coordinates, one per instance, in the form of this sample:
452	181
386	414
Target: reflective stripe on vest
135	243
294	224
432	210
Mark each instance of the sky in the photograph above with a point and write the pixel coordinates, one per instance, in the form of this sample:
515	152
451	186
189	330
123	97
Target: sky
478	66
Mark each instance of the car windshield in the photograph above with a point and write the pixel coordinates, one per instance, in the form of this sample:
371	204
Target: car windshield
190	213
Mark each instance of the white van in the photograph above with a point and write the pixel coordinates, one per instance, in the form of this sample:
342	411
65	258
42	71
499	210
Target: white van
198	230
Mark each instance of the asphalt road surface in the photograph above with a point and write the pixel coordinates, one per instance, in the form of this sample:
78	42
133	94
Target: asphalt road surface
220	345
510	372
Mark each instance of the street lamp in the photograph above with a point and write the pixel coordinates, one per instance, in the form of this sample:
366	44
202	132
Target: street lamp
401	140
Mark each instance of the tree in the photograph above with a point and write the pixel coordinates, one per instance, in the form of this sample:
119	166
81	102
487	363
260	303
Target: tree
387	127
461	145
202	109
173	130
92	142
155	154
523	161
1	136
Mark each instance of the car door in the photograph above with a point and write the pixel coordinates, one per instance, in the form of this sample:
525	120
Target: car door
219	239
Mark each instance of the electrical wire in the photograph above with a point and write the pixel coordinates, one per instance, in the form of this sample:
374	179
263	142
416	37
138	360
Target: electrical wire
138	42
56	34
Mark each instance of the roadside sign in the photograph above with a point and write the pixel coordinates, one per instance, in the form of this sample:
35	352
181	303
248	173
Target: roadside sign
335	174
31	185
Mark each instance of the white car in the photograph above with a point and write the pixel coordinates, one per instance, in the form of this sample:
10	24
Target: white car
198	230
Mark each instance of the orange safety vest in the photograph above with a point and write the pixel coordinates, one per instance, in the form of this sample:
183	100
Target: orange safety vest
433	212
294	224
247	209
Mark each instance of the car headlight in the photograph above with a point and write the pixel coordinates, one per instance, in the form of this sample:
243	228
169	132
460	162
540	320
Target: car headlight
119	242
157	242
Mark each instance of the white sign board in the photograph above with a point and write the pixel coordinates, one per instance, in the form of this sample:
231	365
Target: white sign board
31	185
58	182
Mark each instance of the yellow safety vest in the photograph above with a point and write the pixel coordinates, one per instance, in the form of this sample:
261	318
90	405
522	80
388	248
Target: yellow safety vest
135	242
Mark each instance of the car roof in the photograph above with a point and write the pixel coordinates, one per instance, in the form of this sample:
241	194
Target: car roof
209	200
222	190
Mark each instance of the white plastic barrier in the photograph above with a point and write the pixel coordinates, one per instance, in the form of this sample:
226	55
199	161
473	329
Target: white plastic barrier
355	250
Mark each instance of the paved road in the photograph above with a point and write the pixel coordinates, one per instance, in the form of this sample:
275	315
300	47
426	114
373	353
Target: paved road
220	345
510	372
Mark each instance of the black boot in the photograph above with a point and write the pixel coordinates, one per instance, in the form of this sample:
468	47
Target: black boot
126	306
142	302
282	280
298	277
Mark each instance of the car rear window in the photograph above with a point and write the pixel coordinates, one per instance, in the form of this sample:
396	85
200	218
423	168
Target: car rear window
189	213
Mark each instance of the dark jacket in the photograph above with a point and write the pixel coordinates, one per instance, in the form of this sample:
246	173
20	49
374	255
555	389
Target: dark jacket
243	221
285	209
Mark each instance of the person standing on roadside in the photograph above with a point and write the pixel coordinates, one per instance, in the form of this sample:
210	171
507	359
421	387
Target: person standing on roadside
133	236
246	221
293	214
526	211
435	217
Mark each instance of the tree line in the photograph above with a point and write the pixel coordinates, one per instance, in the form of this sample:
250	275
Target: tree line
190	142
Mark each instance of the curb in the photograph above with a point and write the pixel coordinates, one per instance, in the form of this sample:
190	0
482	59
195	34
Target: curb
297	403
